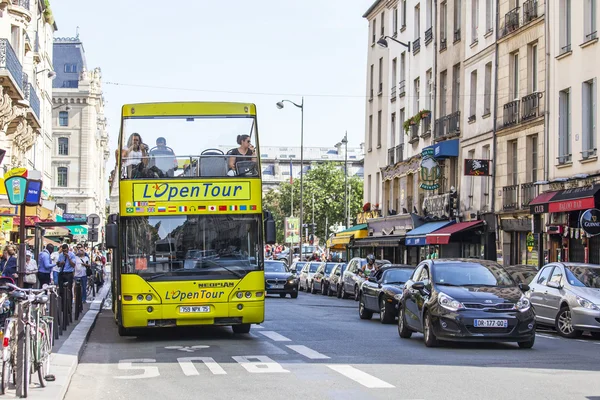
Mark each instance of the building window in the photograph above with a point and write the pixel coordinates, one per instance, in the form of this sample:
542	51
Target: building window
474	20
429	14
379	129
565	26
403	66
402	119
71	84
70	68
443	92
457	19
63	118
403	13
377	185
371	82
63	146
489	15
62	206
514	74
370	132
394	67
443	24
473	98
533	161
380	89
564	126
393	131
533	68
589	118
590	20
417	95
15	40
487	99
513	156
456	88
382	23
417	21
374	35
369	188
428	100
61	177
395	21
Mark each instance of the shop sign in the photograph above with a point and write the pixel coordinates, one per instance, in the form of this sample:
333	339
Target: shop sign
292	230
430	173
477	167
571	205
590	222
538	208
530	242
361	218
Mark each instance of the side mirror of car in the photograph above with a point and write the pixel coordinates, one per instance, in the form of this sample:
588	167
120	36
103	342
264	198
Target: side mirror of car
418	285
524	288
554	285
372	280
338	273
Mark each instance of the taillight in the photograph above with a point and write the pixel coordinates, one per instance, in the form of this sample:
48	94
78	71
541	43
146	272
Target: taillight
5	341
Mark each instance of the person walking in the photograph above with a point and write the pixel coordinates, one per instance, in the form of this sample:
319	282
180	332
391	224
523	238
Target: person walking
67	262
81	266
10	267
45	265
31	269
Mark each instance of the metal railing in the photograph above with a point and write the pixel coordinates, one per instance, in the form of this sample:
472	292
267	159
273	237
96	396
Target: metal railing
443	44
564	159
34	100
589	153
447	126
393	93
511	113
416	45
591	36
510	195
441	128
21	3
454	123
531	106
10	62
371	94
428	36
511	21
528	193
402	88
530	11
457	35
400	152
380	88
414	133
565	49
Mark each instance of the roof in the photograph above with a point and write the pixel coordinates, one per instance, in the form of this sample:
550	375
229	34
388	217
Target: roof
373	6
465	261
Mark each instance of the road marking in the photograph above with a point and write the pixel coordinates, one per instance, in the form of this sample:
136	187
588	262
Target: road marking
546	336
361	377
189	369
275	336
583	341
262	365
306	352
148	371
258	327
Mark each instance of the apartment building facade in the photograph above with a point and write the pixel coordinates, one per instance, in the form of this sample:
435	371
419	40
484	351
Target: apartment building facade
520	122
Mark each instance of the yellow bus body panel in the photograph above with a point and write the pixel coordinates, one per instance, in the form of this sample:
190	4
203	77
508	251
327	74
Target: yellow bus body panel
191	109
169	296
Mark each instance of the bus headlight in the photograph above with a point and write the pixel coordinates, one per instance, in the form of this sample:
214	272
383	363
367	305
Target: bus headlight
148	297
239	295
248	295
140	297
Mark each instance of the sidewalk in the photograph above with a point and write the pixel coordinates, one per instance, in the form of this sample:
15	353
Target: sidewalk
66	352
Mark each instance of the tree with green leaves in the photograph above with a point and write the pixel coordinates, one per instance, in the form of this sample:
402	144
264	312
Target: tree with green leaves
325	183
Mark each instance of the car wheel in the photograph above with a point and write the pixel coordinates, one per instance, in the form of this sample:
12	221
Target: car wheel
344	295
595	335
282	295
363	313
329	290
386	316
312	288
242	328
294	295
338	292
429	336
356	293
564	324
403	330
527	344
323	289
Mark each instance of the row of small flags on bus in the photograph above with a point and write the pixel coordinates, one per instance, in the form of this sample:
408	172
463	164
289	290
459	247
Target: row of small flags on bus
172	209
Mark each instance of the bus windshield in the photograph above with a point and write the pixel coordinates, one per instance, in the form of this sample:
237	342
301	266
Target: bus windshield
188	146
184	246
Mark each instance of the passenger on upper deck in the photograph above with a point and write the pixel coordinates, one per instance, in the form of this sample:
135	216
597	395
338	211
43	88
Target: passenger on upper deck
135	154
163	157
241	154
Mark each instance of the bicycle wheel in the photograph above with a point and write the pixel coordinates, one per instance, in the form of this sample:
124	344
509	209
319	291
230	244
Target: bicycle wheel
43	361
27	361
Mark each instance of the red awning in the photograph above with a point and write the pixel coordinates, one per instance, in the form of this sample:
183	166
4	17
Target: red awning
443	235
30	221
543	198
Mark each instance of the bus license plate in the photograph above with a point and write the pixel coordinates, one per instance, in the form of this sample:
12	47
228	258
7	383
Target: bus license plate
491	323
194	309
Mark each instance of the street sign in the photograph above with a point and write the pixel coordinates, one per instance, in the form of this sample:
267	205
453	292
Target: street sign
291	230
93	235
69	217
530	241
33	192
93	219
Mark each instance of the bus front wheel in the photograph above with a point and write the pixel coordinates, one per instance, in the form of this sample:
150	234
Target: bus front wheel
243	328
124	331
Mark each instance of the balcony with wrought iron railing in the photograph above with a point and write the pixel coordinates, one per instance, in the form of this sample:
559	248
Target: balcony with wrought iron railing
391	156
447	127
426	126
564	159
21	3
399	152
529	191
510	196
530	11
416	45
511	21
402	88
510	114
10	65
443	44
428	36
380	89
393	93
456	35
414	134
32	97
589	153
531	106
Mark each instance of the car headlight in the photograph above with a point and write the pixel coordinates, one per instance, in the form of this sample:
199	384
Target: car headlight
291	279
585	303
523	304
449	303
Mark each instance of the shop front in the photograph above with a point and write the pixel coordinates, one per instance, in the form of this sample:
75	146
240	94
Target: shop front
463	239
417	248
341	243
386	237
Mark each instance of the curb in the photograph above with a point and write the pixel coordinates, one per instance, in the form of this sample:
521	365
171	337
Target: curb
63	363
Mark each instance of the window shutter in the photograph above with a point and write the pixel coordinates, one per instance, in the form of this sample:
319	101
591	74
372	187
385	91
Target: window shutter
568	133
585	121
561	132
594	115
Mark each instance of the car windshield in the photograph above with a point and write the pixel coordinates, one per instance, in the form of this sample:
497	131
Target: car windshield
274	266
300	265
522	274
583	276
313	267
329	267
397	275
471	274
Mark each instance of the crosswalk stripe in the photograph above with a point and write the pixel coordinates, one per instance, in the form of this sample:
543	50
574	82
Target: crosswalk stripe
275	336
361	377
307	352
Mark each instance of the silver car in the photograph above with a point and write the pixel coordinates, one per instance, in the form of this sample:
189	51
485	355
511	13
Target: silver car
567	296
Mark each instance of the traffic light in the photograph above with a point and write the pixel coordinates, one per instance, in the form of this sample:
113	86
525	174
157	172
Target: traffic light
453	204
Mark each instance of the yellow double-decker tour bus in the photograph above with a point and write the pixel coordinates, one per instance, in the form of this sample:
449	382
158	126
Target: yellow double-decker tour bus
186	224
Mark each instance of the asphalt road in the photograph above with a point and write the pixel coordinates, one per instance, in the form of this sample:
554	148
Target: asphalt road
316	347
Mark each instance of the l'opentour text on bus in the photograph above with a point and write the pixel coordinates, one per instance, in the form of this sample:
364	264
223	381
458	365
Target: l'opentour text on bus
186	222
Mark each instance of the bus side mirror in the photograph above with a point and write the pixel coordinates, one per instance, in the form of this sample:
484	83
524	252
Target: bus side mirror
270	232
111	236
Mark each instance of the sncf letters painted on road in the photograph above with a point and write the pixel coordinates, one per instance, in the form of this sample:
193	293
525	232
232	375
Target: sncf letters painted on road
192	191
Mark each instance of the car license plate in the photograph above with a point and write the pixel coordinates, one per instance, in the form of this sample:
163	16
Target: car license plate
491	323
276	286
194	309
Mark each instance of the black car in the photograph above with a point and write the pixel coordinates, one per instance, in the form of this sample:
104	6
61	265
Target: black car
381	291
279	279
321	278
465	300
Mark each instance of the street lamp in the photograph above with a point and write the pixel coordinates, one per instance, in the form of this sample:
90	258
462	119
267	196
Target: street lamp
346	213
384	44
279	105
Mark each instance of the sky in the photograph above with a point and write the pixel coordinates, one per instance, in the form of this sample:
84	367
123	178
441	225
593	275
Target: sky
258	51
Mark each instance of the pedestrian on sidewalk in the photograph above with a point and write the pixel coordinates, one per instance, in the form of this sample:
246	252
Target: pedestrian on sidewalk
66	261
81	266
56	269
45	265
10	268
31	269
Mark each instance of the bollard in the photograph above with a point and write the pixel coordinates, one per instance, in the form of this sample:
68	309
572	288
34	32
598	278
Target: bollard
20	350
77	298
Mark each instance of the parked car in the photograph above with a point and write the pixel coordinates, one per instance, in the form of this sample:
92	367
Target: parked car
465	300
379	293
522	273
335	280
306	275
297	266
567	296
279	280
351	279
283	256
321	278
